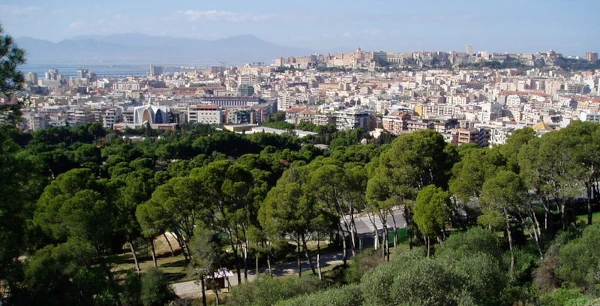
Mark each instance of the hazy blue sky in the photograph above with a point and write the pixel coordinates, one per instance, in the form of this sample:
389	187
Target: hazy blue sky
568	26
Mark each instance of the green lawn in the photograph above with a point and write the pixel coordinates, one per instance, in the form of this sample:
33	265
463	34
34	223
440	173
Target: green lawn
595	217
173	267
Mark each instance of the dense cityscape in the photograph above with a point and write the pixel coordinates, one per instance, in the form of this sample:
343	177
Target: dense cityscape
132	174
462	95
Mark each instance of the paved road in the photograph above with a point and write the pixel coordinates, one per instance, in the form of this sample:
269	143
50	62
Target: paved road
364	226
191	289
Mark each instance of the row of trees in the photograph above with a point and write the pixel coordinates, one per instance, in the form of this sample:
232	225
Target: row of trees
122	193
81	188
531	186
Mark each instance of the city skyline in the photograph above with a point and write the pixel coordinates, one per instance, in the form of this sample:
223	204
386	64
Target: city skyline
382	25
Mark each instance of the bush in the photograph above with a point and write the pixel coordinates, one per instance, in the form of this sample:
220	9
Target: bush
375	285
155	288
362	263
348	295
580	260
563	297
475	240
266	291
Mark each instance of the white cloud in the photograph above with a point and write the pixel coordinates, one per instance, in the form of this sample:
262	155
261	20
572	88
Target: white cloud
14	10
75	24
120	17
60	11
214	15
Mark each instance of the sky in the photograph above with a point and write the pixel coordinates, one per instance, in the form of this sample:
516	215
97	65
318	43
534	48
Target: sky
567	26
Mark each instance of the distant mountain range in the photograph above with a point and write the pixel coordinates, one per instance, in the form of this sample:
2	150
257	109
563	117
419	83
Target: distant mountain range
145	49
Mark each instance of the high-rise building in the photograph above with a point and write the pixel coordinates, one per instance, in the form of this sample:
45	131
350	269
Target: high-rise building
31	78
247	79
156	70
591	56
469	49
53	74
82	73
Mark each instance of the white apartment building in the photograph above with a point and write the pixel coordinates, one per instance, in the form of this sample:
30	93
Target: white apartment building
438	110
490	111
286	101
126	86
589	116
348	120
247	80
111	116
458	99
207	114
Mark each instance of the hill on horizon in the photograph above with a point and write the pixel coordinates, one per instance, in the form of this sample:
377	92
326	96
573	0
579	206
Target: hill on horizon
144	49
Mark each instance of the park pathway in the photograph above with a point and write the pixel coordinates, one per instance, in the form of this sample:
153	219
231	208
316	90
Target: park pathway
191	289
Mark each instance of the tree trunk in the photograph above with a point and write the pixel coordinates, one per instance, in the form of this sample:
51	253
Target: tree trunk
386	237
310	263
182	245
372	220
269	264
319	258
376	240
537	231
386	243
537	242
428	239
298	257
215	290
409	232
547	212
354	233
563	210
589	205
395	230
137	264
344	246
203	291
169	243
256	258
153	253
236	256
245	261
510	246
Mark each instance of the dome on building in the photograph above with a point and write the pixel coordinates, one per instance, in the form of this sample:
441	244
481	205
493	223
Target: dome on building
150	113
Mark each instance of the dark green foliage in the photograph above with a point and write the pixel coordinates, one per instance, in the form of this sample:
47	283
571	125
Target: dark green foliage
11	79
412	279
132	290
266	291
376	284
580	260
361	264
19	186
474	241
64	275
567	297
104	192
348	295
155	289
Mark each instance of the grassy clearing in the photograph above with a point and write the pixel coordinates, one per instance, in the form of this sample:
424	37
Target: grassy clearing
173	267
595	217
